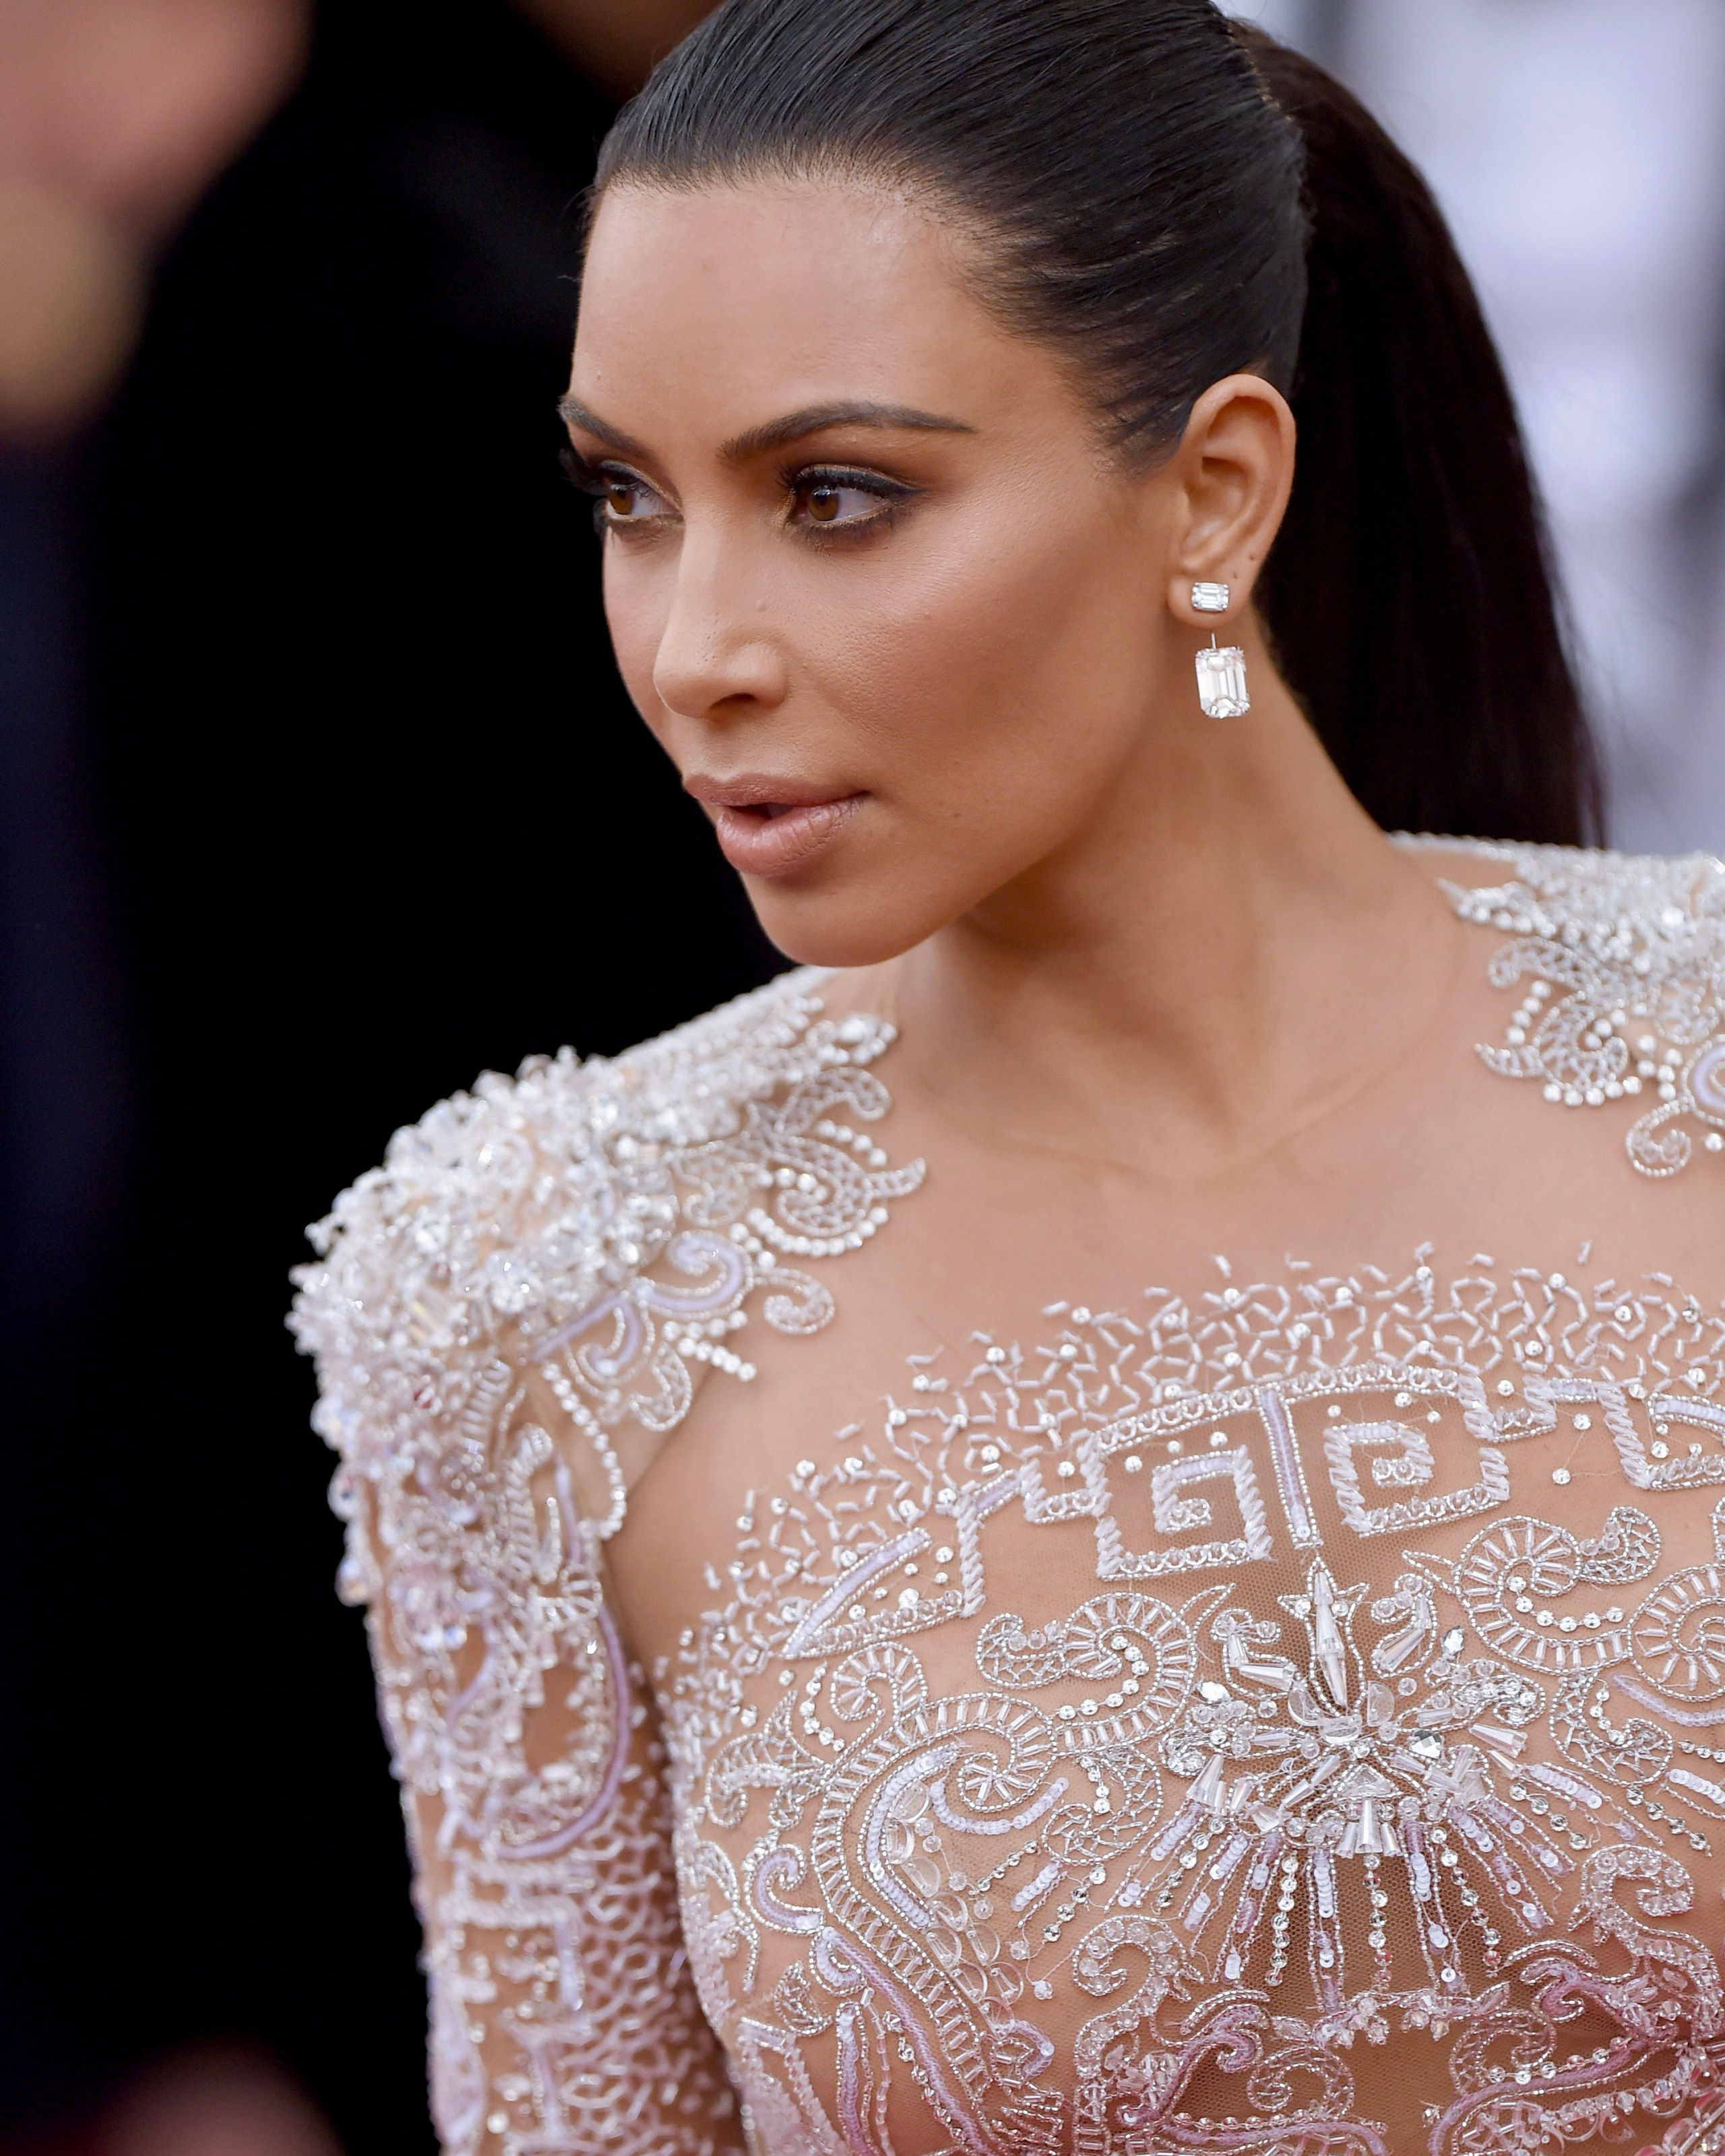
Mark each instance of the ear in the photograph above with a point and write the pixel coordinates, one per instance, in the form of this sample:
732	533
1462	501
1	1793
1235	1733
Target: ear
1232	471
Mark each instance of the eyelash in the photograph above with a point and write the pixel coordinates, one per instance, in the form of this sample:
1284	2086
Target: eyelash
890	493
797	480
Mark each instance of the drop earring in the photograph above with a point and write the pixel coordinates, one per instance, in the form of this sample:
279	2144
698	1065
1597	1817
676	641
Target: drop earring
1221	673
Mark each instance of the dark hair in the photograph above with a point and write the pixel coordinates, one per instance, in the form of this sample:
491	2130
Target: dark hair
1156	190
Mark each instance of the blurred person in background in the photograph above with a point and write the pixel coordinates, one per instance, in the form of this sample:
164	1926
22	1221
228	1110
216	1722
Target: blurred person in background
114	115
284	305
213	2102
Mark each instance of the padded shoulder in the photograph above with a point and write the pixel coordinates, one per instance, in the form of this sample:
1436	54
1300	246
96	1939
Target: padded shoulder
1624	959
604	1222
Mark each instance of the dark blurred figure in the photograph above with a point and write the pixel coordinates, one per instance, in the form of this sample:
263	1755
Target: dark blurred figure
114	115
319	795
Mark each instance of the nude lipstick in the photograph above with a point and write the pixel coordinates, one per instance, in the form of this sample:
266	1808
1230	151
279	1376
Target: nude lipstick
770	826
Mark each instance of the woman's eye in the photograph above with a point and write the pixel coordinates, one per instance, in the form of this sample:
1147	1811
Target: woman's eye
627	500
823	501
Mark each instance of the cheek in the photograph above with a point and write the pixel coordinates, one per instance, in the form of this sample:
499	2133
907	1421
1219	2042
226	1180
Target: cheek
973	657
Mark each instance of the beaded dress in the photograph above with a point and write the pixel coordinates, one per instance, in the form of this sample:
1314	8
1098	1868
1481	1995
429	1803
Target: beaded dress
1117	1739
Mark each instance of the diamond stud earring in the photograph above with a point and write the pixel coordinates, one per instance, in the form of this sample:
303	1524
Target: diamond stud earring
1221	674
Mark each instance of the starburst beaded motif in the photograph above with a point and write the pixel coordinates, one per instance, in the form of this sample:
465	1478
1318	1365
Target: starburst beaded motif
1327	1805
1109	1742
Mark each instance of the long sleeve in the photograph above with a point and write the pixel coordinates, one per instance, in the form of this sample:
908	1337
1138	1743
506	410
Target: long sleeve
562	2013
507	1318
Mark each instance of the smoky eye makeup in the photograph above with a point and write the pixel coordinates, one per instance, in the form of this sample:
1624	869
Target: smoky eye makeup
618	493
838	502
826	505
580	473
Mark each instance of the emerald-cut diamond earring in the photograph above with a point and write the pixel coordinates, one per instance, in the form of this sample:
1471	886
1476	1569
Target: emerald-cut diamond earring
1221	673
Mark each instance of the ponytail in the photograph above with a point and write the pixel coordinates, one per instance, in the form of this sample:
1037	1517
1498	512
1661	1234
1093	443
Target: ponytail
1158	186
1409	597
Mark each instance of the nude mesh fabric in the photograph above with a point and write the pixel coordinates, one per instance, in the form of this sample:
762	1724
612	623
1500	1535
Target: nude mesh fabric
1288	1720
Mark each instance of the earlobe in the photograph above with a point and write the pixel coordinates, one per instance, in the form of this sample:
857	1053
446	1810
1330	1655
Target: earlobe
1237	462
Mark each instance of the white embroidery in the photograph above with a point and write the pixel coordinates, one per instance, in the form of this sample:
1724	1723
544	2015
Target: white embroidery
1353	1771
1411	1465
607	1225
1625	956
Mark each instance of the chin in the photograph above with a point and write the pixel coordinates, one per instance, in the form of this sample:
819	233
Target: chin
844	927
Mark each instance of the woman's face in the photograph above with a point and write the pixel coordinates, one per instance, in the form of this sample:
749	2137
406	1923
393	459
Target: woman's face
899	620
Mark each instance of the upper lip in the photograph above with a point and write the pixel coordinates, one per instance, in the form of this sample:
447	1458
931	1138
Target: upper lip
753	789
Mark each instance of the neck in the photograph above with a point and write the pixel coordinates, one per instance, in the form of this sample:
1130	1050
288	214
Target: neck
1230	949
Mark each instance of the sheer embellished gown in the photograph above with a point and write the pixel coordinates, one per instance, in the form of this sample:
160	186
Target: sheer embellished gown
890	1650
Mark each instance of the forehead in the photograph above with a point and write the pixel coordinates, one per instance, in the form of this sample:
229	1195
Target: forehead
740	302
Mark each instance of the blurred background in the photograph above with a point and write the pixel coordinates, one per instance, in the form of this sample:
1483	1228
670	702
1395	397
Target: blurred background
318	794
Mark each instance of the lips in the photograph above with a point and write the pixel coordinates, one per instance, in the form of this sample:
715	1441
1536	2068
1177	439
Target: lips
769	826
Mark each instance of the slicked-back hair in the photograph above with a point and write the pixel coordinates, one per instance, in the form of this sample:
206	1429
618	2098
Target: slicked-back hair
1162	196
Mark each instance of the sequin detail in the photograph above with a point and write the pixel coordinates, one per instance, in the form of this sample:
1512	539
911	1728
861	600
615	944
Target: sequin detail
1342	1742
1122	1742
1623	958
608	1226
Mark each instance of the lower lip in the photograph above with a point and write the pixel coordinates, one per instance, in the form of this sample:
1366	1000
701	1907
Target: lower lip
757	845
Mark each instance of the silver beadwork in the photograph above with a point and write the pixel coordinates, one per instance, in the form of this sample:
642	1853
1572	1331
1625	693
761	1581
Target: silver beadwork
1623	960
1298	1696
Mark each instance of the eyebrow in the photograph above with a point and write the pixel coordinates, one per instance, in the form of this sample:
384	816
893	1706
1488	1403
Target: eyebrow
574	413
817	418
774	433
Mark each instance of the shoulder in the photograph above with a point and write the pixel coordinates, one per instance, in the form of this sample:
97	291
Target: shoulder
1621	958
1580	886
535	1215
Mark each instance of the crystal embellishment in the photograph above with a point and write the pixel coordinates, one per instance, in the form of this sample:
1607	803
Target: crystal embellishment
1313	1731
1621	962
1222	682
1210	599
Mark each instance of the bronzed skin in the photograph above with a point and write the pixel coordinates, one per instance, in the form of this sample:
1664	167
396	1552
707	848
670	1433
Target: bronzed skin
1165	991
999	662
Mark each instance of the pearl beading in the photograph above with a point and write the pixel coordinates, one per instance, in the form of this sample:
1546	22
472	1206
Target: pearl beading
1390	1758
1624	960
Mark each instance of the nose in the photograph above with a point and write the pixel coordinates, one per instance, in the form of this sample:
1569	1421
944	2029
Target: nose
716	654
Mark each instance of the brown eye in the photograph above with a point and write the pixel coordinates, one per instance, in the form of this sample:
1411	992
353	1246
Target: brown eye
620	496
832	500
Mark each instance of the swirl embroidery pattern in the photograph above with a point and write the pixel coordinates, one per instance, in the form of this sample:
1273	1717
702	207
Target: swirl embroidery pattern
1332	1751
1291	1722
1625	959
527	1230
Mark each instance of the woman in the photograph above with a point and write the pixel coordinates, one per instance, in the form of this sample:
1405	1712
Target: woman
1075	1527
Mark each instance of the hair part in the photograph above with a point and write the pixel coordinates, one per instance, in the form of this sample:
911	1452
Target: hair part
1153	192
